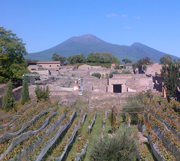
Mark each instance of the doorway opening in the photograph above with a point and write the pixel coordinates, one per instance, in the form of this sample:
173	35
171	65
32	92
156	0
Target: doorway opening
117	88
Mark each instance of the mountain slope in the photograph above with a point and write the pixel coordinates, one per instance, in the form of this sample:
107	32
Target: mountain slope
88	43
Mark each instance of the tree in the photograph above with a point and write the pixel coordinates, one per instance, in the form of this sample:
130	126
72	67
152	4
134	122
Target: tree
25	92
80	58
12	50
57	57
141	62
120	147
31	60
42	93
8	98
126	61
98	75
118	66
103	57
170	72
165	59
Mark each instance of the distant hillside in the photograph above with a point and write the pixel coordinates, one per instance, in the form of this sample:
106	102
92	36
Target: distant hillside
88	43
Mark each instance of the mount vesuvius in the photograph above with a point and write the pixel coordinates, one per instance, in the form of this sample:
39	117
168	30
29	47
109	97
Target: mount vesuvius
89	43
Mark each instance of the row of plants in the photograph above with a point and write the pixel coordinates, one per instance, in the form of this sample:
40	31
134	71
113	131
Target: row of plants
62	147
168	108
7	136
6	143
57	152
6	122
27	116
173	104
30	140
166	155
163	116
56	136
9	153
83	137
168	135
166	120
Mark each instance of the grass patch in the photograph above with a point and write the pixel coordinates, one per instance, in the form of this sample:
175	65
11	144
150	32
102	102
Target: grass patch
150	156
80	104
84	129
96	131
108	125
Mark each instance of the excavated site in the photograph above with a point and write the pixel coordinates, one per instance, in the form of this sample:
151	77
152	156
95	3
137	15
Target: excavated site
79	109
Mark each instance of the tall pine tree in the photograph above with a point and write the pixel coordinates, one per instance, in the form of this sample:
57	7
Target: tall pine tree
25	92
8	98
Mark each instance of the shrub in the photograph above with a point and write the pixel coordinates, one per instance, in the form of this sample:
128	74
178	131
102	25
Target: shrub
121	146
8	98
144	67
113	72
112	119
25	92
42	93
126	72
98	75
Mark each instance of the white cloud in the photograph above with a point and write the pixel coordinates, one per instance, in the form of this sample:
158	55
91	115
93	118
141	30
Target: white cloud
111	15
123	15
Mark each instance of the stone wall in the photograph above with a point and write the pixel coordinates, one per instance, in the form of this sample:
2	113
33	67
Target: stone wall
153	69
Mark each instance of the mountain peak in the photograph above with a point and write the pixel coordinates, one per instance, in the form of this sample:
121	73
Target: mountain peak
87	38
136	44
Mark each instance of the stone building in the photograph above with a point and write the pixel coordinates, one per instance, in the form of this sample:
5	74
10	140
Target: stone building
121	83
49	65
84	67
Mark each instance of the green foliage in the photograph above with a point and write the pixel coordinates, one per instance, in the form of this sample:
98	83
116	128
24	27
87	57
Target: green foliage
122	147
57	57
149	94
12	62
103	57
113	72
126	72
144	67
126	61
80	58
134	105
118	66
8	98
144	61
171	74
112	119
42	93
25	92
134	100
31	60
98	75
165	59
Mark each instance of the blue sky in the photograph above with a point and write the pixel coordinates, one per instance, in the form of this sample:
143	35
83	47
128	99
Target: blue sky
43	23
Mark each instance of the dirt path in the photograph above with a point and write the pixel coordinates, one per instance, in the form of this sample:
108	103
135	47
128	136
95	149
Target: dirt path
142	138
